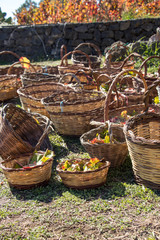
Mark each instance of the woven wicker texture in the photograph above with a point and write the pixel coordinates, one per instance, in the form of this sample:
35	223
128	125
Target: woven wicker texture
26	178
72	111
36	78
111	69
9	83
64	67
133	98
31	95
95	59
142	134
115	153
82	180
20	133
150	78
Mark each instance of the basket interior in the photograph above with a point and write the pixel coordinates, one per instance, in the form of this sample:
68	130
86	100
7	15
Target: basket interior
70	97
149	130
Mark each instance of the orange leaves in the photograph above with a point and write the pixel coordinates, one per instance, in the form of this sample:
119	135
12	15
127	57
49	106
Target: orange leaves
54	11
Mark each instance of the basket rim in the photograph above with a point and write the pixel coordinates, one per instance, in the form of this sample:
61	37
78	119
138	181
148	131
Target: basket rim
83	142
100	96
136	120
22	169
106	165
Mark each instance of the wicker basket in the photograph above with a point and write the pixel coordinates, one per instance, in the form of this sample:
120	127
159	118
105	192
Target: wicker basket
115	153
71	111
9	83
83	180
142	134
20	132
26	178
95	59
37	78
133	100
31	95
64	67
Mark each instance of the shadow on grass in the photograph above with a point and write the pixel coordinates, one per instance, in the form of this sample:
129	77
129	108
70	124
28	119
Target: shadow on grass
114	187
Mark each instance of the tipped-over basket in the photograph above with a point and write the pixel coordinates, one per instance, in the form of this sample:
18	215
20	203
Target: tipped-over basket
20	132
142	134
114	152
81	179
26	178
72	111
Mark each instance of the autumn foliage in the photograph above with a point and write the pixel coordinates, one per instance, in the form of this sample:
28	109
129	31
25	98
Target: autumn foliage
54	11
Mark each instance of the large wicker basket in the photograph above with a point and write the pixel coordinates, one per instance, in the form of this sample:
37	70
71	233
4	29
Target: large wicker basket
20	132
115	153
95	59
29	177
142	134
71	111
31	95
82	180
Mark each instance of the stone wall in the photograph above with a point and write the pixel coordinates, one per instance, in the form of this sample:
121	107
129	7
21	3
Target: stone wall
44	41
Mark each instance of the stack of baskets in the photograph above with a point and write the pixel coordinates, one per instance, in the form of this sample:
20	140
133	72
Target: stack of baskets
21	135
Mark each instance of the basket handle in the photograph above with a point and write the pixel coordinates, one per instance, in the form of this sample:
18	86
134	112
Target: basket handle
110	80
16	63
72	75
114	46
37	147
148	92
10	52
112	86
64	48
90	45
144	64
75	51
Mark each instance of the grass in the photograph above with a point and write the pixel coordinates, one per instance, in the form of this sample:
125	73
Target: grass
120	209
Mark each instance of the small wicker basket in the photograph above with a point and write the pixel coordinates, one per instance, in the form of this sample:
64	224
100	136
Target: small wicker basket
83	180
29	177
115	153
142	134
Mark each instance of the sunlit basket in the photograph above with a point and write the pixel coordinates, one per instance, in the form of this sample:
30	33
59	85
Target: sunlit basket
82	180
26	178
20	133
114	152
150	78
31	95
142	134
95	59
72	111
